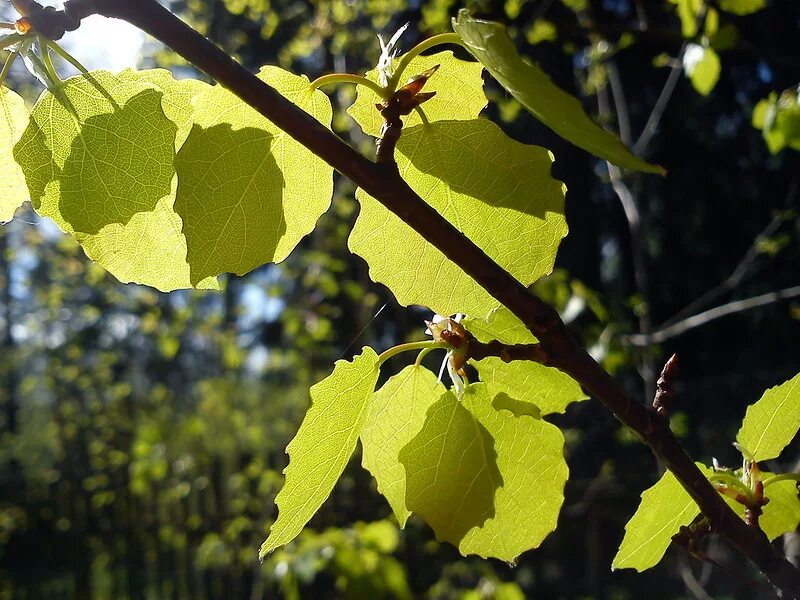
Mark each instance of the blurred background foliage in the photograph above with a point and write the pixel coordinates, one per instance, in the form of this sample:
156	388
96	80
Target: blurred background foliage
142	434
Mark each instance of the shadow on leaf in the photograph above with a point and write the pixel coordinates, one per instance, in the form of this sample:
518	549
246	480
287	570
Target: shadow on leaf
503	401
119	165
451	471
477	159
230	197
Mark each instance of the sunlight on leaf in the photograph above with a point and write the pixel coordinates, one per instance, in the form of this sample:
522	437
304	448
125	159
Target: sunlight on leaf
142	246
484	478
664	508
323	445
247	192
561	112
396	415
13	121
457	83
495	190
702	67
772	422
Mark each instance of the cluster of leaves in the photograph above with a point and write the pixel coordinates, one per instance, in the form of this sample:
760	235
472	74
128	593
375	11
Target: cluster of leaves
767	428
226	191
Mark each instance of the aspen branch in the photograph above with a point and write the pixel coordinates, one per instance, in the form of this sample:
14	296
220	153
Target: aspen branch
676	329
383	181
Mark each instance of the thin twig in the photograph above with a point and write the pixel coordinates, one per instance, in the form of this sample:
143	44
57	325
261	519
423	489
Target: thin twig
707	316
739	272
660	106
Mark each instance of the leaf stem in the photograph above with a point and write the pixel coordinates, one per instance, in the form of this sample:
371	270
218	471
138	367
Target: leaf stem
67	57
429	344
47	61
425	352
782	477
7	66
334	78
437	40
10	40
730	481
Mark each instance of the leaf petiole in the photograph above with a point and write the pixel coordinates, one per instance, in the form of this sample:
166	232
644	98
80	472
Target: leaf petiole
423	345
782	477
730	481
47	60
7	66
437	40
67	57
334	78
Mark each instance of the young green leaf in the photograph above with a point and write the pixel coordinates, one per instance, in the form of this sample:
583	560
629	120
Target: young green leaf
502	325
742	7
396	415
13	121
664	508
782	512
778	118
550	390
247	192
498	192
702	67
323	445
486	479
561	112
772	422
145	246
82	152
459	93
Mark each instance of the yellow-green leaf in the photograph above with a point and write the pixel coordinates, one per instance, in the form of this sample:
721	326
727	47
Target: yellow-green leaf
496	191
142	246
782	512
778	117
548	389
457	83
13	121
561	112
486	479
702	67
742	7
247	192
664	508
772	422
502	325
323	445
396	414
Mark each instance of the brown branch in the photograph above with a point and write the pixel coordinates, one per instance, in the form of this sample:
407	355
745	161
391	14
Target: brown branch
478	350
383	181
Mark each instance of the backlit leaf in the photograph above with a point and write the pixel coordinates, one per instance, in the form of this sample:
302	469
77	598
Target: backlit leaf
13	121
323	445
484	478
782	512
500	325
97	151
742	7
247	192
143	246
495	190
772	422
778	117
561	112
548	389
664	508
457	83
702	67
396	414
